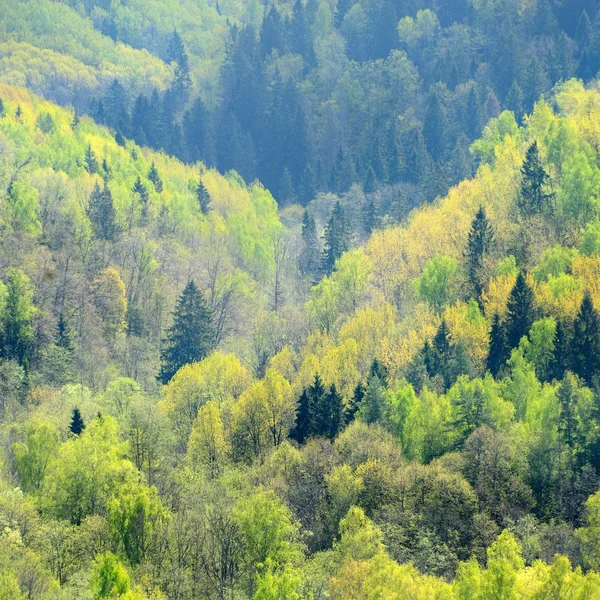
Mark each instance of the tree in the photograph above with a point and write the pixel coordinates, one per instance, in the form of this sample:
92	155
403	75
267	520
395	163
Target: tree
154	177
91	162
562	356
140	189
534	199
191	336
373	403
479	243
336	238
77	424
370	216
203	198
520	313
63	334
568	396
303	426
309	260
586	341
19	311
101	213
109	578
499	350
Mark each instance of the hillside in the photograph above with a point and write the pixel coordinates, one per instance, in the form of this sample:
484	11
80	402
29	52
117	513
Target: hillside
421	423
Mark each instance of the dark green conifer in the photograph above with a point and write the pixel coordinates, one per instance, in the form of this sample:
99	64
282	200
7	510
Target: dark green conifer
310	253
101	213
336	238
355	403
77	424
586	341
534	198
191	337
303	427
63	335
91	162
203	198
140	189
154	177
498	353
520	313
479	243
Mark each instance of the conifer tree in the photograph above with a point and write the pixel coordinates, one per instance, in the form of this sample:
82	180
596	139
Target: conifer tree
336	238
370	216
309	261
561	360
203	198
520	311
515	101
308	186
586	341
101	213
154	177
335	409
77	424
191	337
303	426
63	335
481	237
534	198
372	406
91	162
370	184
567	400
107	171
379	369
355	403
74	122
498	353
140	189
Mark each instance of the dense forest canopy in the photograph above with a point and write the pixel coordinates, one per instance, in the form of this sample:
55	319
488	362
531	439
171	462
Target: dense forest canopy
381	380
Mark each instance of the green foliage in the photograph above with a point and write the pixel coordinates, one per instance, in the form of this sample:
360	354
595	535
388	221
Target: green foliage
437	284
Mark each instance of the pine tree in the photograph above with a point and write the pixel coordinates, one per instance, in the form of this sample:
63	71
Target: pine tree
379	369
498	353
435	126
399	207
370	184
154	177
317	393
77	424
355	403
336	238
481	237
74	122
303	426
19	112
91	162
515	101
561	361
370	216
203	198
287	193
63	335
101	213
520	311
107	171
309	261
473	115
372	406
567	400
140	189
308	186
534	199
191	337
335	408
586	341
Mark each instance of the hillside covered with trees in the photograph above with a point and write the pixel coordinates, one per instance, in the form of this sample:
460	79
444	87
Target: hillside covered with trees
382	381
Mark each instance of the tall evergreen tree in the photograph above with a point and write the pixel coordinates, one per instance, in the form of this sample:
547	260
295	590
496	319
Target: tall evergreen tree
102	214
203	198
355	403
308	185
534	198
63	335
310	254
77	424
335	409
479	243
520	311
567	401
140	189
191	337
372	405
303	427
498	353
336	238
515	101
154	177
370	216
435	126
91	162
586	341
562	357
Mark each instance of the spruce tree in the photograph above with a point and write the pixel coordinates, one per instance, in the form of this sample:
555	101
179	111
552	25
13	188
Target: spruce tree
561	360
336	238
101	213
586	341
154	177
317	393
498	353
91	162
520	311
77	424
372	407
140	189
309	260
335	408
203	198
370	216
355	403
308	186
515	101
479	243
379	369
303	426
191	337
534	198
75	121
567	400
63	335
370	184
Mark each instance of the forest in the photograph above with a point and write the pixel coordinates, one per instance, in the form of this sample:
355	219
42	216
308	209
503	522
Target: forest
299	300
